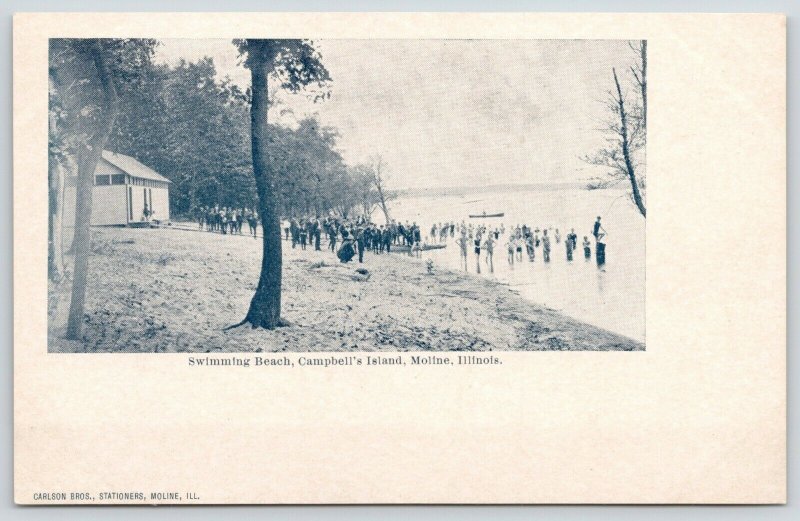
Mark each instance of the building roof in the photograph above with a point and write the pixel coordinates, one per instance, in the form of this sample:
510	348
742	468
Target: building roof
132	167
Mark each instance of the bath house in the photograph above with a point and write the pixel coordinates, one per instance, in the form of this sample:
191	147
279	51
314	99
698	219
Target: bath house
123	189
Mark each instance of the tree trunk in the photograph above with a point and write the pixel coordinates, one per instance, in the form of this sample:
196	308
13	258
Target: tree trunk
265	308
383	204
379	185
637	196
87	163
55	250
55	174
644	84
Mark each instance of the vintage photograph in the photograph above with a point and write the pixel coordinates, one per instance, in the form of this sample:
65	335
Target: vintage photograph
258	195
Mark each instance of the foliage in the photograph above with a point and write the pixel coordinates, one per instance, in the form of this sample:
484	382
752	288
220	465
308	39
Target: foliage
294	64
194	129
74	93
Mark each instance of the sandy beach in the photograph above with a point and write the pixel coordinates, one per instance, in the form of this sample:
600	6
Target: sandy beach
173	290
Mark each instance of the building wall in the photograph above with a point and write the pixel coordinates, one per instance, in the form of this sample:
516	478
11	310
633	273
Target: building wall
137	198
161	204
110	204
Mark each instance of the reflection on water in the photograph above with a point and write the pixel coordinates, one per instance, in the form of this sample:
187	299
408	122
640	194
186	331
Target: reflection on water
611	296
600	275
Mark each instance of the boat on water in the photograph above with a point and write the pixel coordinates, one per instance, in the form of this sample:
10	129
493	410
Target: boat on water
484	215
424	247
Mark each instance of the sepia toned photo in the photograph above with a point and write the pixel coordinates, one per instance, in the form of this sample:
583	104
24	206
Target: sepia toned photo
213	195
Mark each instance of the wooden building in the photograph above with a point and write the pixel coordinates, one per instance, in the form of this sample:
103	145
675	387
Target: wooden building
123	189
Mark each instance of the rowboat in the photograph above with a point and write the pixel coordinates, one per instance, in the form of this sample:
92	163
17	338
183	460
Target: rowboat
405	248
484	215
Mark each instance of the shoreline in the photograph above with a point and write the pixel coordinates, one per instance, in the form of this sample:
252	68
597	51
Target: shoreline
174	292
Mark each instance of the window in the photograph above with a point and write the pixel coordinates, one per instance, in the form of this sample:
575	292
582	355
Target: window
118	179
100	180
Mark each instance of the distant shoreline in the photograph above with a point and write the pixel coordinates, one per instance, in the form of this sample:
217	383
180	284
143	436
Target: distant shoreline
454	191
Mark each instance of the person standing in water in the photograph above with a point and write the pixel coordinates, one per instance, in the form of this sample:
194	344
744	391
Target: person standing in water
597	227
530	247
545	246
462	244
511	245
601	247
587	248
489	245
478	243
573	238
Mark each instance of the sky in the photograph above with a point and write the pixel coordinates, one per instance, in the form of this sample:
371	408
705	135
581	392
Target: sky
447	113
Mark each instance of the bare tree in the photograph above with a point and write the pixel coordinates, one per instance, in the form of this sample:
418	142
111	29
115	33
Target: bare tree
639	72
625	144
626	138
379	181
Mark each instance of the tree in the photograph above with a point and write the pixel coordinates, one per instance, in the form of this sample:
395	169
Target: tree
57	157
639	72
307	162
68	71
625	145
378	179
361	181
295	64
194	129
626	137
87	78
88	158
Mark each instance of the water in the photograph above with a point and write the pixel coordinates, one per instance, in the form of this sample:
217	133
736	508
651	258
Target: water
611	297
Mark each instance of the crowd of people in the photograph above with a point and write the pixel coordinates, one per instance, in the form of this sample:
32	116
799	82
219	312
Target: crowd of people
346	237
226	220
349	238
522	241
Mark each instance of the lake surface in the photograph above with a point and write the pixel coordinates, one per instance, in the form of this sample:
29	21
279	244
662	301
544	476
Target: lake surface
611	297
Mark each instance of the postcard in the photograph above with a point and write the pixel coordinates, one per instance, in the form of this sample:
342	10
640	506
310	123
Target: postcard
304	258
